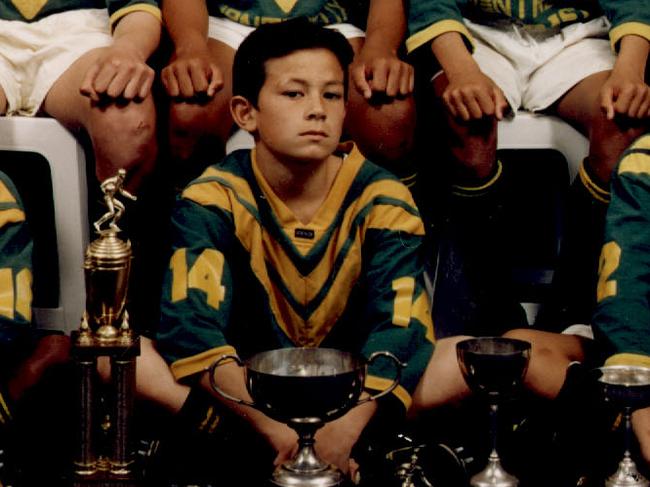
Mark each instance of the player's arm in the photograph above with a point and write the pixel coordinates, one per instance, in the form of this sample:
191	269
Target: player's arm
626	91
121	71
622	315
196	313
377	68
191	70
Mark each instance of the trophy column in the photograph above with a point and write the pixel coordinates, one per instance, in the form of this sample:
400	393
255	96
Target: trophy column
105	332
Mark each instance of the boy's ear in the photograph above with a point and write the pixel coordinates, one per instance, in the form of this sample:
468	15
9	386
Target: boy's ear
243	113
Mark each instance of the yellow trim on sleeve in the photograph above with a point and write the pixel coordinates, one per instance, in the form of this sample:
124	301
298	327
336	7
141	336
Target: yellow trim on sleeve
434	30
628	28
381	383
636	163
140	7
199	363
469	191
629	359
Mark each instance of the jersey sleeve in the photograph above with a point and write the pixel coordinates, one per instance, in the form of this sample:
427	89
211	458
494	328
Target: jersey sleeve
398	306
119	8
622	319
627	17
15	264
196	300
427	19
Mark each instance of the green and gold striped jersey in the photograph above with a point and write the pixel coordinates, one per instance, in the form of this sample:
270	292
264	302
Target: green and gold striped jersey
256	12
15	264
32	10
246	276
622	319
431	18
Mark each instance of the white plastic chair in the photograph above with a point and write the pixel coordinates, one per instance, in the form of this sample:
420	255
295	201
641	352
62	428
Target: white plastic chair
533	131
67	163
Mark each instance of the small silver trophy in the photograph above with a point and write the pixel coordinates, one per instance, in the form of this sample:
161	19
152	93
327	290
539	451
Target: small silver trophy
627	387
305	388
493	367
105	331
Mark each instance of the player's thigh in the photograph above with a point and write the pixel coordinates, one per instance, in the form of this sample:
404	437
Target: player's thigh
212	116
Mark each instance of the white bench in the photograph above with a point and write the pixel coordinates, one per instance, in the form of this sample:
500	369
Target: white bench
67	163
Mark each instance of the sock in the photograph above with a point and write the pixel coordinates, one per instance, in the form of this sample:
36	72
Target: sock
199	412
573	292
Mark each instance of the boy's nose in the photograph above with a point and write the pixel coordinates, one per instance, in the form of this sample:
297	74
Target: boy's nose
316	108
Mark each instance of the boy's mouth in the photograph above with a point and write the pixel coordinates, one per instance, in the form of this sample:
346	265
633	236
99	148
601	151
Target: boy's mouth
314	133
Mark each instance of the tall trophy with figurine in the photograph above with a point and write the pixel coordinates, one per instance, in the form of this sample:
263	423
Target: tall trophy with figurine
105	332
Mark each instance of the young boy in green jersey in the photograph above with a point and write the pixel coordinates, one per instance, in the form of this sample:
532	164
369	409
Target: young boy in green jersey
206	34
298	242
84	63
484	60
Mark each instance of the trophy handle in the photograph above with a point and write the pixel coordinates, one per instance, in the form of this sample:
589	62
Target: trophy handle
398	375
217	389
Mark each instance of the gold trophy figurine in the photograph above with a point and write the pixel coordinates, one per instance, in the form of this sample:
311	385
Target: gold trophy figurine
105	331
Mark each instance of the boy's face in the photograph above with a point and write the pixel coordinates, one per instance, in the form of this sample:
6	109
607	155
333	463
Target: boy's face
301	106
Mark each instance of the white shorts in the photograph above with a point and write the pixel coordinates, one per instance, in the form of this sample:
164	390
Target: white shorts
581	330
34	55
534	70
233	33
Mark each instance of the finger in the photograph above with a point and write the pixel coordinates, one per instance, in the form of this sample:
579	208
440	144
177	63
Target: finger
607	102
216	80
86	87
379	77
169	82
486	101
118	83
145	87
500	103
473	107
643	107
360	81
199	78
134	83
446	98
105	75
460	107
405	80
185	86
393	79
635	103
624	100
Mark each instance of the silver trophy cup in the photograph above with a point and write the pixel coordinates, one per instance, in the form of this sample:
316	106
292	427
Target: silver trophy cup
493	367
628	388
305	388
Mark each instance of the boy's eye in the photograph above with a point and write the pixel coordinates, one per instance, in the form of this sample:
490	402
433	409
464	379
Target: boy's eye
333	95
292	93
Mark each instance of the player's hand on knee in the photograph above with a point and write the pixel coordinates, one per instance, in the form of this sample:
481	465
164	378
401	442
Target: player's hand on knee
376	71
192	74
118	73
471	95
625	93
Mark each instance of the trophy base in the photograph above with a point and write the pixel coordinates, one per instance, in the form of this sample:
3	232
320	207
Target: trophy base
627	475
327	477
494	476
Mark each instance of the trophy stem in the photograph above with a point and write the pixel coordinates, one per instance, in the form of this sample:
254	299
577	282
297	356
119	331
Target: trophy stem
627	474
124	371
86	462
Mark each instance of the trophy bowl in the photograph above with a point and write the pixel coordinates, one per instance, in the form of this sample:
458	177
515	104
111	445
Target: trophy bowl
628	388
626	385
305	388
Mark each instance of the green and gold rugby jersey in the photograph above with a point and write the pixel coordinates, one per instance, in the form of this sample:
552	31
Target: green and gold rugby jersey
622	319
15	264
246	276
256	12
431	18
31	10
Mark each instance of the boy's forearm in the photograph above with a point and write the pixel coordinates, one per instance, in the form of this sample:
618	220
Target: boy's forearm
452	54
386	25
633	53
187	23
139	31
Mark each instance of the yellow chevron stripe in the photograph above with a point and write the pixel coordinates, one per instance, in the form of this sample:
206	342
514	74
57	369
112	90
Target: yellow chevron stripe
635	163
5	194
13	215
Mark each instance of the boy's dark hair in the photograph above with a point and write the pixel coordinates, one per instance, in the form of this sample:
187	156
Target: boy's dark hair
271	41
